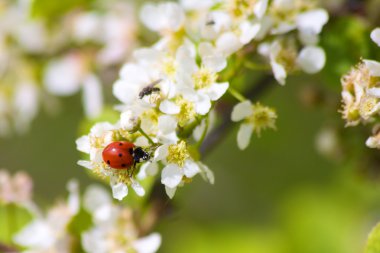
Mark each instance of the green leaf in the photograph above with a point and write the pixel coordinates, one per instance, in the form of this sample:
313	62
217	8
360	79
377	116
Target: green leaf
12	219
373	243
80	223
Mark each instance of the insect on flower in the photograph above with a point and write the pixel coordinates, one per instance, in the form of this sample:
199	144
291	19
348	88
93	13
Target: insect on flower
123	155
149	89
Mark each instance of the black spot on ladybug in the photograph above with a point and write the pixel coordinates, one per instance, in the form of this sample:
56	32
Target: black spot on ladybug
123	165
120	144
108	162
130	151
120	154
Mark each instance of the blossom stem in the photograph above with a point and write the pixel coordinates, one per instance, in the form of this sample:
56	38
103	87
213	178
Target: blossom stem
236	94
199	143
146	136
254	66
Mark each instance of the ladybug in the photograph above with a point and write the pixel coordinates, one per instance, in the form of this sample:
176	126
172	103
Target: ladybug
123	155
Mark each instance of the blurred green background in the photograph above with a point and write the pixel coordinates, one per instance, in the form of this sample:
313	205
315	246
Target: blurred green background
278	196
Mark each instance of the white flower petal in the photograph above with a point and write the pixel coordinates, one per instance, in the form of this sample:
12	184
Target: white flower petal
228	43
93	241
375	92
308	38
167	124
73	202
138	188
122	90
170	191
147	169
241	111
171	175
190	168
92	96
203	105
312	21
244	135
217	90
63	77
127	121
260	8
375	36
161	152
215	63
169	107
373	142
86	164
167	16
95	197
373	66
311	59
83	144
119	190
36	235
279	72
207	174
148	244
248	31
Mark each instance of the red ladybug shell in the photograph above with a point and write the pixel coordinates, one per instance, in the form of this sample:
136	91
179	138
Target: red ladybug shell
118	154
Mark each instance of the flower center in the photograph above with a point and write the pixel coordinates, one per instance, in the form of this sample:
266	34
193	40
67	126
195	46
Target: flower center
287	58
178	153
262	117
169	67
149	120
204	78
187	111
289	14
241	8
368	106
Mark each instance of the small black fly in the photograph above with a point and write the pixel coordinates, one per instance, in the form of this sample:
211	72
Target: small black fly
148	90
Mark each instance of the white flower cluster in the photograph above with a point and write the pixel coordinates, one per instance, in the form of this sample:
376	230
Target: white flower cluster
168	90
112	227
73	52
15	189
361	94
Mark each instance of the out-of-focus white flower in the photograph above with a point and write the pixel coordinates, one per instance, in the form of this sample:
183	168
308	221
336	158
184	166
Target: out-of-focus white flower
86	27
16	189
74	69
92	96
374	140
163	17
25	104
255	119
375	36
48	234
64	76
114	229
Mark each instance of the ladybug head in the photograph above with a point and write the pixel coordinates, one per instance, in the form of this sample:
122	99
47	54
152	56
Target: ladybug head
140	155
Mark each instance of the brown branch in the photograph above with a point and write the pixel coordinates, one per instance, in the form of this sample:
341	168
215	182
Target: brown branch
4	248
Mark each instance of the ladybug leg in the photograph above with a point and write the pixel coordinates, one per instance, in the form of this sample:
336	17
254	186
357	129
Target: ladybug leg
133	169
